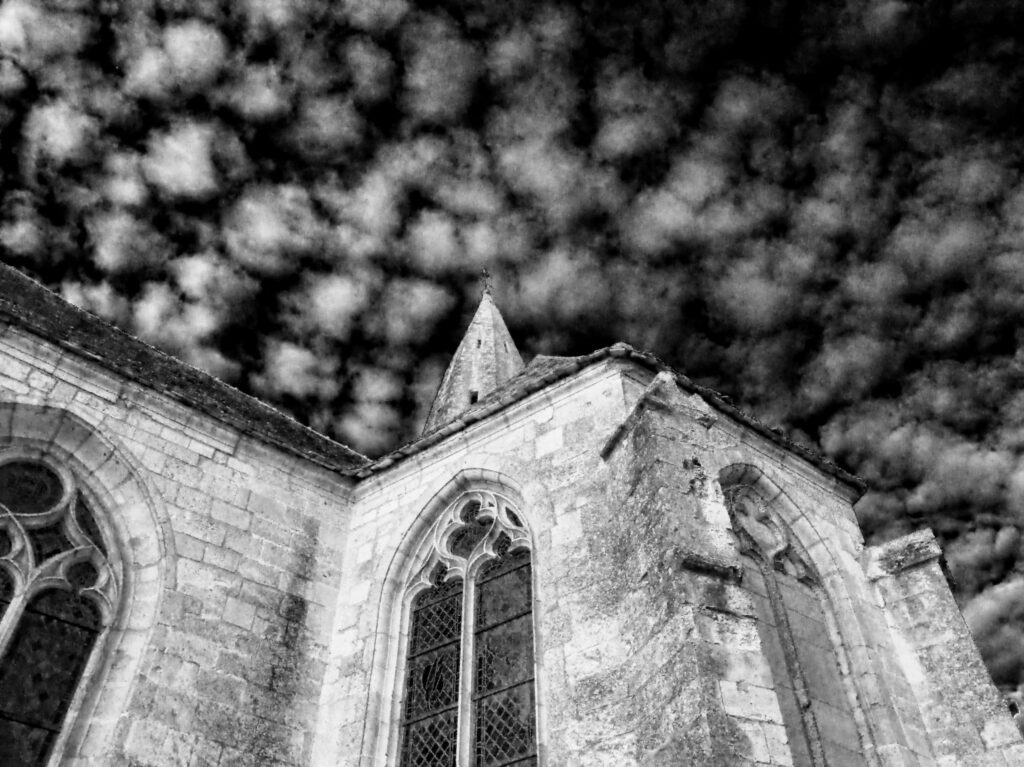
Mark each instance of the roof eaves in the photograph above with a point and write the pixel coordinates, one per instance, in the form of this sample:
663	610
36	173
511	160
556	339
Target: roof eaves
42	313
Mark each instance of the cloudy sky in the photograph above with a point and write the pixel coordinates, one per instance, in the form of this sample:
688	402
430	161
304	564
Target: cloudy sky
815	207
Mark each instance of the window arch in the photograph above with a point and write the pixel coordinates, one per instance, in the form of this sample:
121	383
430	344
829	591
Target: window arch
797	631
469	692
58	592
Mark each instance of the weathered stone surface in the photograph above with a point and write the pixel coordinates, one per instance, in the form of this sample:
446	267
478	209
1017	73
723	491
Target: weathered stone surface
266	622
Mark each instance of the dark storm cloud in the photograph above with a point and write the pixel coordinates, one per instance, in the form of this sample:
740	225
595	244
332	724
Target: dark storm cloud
816	207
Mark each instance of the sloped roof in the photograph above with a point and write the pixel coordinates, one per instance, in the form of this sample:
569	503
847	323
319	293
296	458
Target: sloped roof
486	358
26	303
544	371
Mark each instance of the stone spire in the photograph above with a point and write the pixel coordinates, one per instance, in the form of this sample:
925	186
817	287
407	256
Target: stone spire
486	358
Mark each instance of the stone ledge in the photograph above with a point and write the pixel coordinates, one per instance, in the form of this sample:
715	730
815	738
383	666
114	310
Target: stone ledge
901	554
705	564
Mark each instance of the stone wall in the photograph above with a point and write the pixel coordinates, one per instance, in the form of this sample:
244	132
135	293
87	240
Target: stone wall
651	644
545	453
232	554
966	721
673	459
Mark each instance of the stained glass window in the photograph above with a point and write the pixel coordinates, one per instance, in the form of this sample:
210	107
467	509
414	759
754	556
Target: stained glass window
496	705
503	690
44	652
432	675
40	673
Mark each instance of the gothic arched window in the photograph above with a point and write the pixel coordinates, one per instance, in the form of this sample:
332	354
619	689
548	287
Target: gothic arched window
469	675
795	626
57	594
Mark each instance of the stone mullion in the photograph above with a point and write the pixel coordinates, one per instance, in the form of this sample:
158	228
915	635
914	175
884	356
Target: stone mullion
466	724
15	608
9	622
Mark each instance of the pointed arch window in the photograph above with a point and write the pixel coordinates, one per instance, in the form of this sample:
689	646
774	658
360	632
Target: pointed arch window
469	686
57	596
797	629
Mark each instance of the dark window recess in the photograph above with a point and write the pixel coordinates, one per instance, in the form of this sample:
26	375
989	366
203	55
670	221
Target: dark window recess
6	590
465	539
505	561
88	525
47	541
28	487
40	672
82	575
470	511
503	689
432	676
473	397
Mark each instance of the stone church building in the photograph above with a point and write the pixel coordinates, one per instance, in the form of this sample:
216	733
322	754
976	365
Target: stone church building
582	561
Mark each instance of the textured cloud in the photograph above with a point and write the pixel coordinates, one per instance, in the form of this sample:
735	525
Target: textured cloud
291	369
58	133
195	52
330	305
441	71
122	243
409	311
180	162
374	15
270	228
257	93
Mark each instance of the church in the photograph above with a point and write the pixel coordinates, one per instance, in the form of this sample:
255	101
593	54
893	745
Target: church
581	561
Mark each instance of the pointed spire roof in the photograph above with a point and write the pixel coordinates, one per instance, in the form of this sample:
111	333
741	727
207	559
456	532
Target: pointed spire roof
486	358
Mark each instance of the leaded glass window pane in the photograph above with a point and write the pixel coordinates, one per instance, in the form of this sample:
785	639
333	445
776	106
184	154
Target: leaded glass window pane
504	655
432	742
432	675
29	487
504	597
506	561
40	672
505	732
503	690
433	682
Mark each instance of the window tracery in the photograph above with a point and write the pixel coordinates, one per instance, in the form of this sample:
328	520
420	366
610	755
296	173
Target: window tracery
469	677
763	536
57	595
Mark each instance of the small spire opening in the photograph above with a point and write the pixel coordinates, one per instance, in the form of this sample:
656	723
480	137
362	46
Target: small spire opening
473	397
